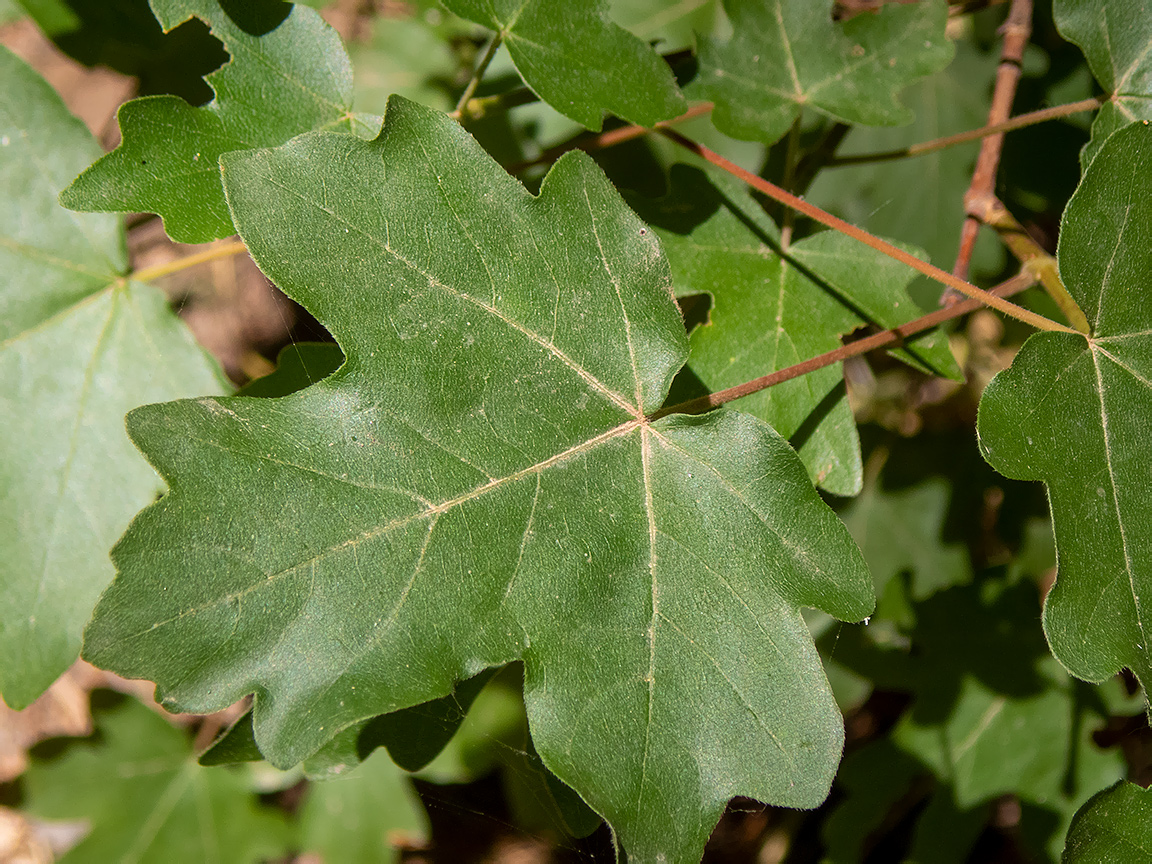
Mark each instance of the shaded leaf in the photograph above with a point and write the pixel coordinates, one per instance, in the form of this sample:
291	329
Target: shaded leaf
788	54
407	56
1116	825
287	75
901	531
670	26
297	366
146	799
125	36
478	483
1072	411
79	346
578	61
991	715
771	309
364	816
1116	38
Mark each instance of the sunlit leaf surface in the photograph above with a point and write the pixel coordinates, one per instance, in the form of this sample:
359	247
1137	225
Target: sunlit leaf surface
478	483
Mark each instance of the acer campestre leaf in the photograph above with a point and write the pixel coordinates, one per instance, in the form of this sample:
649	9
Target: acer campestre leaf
287	75
578	61
146	800
1116	825
363	817
900	530
667	26
772	308
1116	38
952	101
80	345
477	484
1072	411
785	55
992	714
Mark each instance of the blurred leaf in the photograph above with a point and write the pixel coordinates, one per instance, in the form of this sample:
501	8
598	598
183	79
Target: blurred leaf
578	61
788	54
406	56
873	779
772	309
494	723
10	10
671	25
991	715
1116	37
146	799
1072	411
80	345
1116	825
288	74
901	531
361	818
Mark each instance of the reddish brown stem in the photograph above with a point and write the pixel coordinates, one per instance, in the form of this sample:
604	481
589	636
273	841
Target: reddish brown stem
933	272
883	339
1020	121
1017	30
606	139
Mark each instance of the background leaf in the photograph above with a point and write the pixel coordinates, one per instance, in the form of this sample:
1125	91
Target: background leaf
900	531
147	800
361	818
578	61
991	715
913	200
1072	411
288	74
79	346
787	54
772	308
477	484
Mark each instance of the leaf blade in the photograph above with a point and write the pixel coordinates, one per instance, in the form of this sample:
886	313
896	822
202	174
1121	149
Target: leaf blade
477	484
1080	404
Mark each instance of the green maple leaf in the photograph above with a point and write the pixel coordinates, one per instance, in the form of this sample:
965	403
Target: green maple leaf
1073	411
878	196
1116	38
146	800
669	26
785	55
578	61
80	345
773	308
1114	826
479	483
364	816
900	531
992	714
287	75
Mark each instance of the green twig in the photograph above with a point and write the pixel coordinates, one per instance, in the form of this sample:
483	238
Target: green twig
481	68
